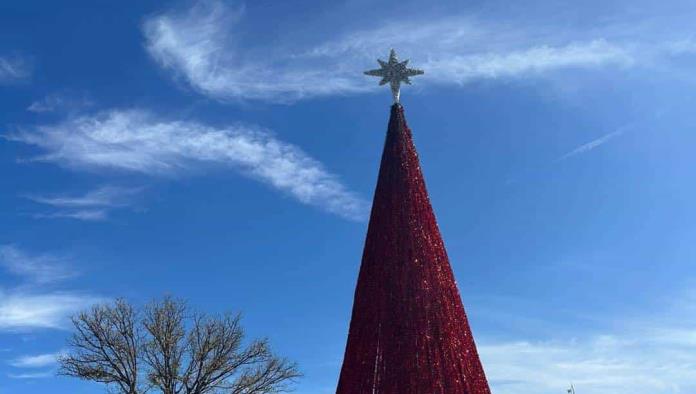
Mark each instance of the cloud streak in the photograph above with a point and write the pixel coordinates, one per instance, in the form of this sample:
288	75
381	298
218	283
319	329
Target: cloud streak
584	148
138	141
37	361
199	46
535	60
21	311
87	215
59	102
644	353
196	45
596	143
40	269
621	364
31	375
92	206
30	305
13	68
106	196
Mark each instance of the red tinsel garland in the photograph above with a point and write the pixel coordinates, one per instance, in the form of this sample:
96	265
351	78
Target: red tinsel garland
409	333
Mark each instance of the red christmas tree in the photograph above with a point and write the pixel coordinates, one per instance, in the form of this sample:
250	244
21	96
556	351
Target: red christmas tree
409	333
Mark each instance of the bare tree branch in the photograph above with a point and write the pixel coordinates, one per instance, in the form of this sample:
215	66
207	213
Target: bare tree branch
104	347
162	352
271	376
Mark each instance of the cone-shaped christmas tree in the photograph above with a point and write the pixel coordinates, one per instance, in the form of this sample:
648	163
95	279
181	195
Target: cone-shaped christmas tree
409	333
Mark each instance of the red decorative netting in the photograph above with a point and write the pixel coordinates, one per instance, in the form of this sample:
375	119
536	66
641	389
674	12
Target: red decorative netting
409	333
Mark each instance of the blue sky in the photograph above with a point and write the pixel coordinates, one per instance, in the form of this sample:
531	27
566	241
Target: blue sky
226	152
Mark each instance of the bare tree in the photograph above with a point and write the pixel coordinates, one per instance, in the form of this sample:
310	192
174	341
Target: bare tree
179	352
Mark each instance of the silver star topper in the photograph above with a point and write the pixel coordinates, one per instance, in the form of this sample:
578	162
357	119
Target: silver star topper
394	72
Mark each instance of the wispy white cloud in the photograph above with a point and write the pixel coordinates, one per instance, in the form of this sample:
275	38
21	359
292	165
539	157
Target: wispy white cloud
596	143
36	361
140	142
584	148
59	101
31	375
21	310
46	104
199	45
92	206
620	364
88	215
13	68
646	353
37	268
31	304
105	196
534	60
